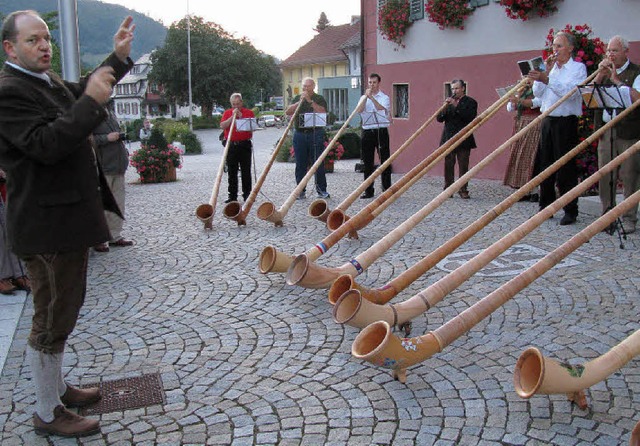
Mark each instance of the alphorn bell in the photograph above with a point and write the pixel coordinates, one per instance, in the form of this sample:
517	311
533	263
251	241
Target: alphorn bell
372	210
205	211
377	343
384	294
319	208
267	211
536	374
232	210
355	311
635	436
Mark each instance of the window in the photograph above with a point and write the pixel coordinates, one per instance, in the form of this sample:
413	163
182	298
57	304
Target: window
416	10
120	108
400	100
120	89
127	108
335	70
337	102
310	71
321	74
134	108
291	76
299	74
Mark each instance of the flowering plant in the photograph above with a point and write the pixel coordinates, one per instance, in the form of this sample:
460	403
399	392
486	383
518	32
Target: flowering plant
335	153
448	13
525	9
393	20
588	50
153	163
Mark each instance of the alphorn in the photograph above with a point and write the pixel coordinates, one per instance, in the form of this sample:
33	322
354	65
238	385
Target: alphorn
535	374
351	309
267	211
205	211
384	294
232	210
272	260
378	345
320	209
635	436
305	273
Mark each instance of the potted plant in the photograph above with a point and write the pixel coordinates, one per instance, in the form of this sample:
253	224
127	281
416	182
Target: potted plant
526	9
448	13
393	20
334	155
156	161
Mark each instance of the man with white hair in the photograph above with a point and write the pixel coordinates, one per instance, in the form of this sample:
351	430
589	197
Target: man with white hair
617	69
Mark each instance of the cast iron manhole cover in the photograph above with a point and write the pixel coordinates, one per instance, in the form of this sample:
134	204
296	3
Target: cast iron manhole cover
127	393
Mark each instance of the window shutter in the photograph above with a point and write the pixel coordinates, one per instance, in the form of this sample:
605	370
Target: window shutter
476	3
416	10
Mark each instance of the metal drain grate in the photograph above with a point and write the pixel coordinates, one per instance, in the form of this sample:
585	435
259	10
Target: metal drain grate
127	393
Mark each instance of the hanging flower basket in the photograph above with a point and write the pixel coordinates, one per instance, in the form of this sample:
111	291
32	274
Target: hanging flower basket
448	13
527	9
393	20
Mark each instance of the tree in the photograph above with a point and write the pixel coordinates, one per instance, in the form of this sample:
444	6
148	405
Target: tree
323	22
220	65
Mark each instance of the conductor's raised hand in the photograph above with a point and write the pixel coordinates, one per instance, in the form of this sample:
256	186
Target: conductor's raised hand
123	38
100	84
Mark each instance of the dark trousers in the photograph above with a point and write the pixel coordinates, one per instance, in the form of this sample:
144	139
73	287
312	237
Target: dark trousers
372	139
462	155
239	157
558	136
308	145
58	283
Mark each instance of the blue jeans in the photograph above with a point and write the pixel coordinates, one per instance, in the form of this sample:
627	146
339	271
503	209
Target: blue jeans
308	146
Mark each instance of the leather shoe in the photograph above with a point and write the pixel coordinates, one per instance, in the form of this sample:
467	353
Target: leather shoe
102	247
22	283
366	195
66	424
567	219
464	194
230	200
7	287
534	198
121	242
76	397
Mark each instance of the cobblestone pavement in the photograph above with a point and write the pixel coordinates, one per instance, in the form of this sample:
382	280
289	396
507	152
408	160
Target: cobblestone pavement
246	359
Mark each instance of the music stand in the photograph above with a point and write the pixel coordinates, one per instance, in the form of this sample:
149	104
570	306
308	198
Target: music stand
611	99
308	120
247	124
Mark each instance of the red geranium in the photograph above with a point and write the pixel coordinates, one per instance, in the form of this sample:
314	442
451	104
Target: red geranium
525	9
393	20
448	13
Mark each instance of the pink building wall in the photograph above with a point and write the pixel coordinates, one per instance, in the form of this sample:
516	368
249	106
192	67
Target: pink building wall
482	73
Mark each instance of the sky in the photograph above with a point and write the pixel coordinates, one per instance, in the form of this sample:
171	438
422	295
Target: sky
277	27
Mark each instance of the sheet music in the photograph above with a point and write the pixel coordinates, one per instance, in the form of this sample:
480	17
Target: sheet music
313	120
605	96
246	124
377	117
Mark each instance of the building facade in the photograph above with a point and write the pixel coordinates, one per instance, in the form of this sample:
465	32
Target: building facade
484	54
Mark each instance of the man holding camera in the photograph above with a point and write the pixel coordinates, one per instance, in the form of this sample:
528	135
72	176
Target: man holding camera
114	159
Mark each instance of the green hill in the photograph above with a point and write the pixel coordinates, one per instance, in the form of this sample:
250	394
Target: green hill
97	23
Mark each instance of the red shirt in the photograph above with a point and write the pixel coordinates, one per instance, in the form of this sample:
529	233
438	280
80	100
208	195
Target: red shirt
237	136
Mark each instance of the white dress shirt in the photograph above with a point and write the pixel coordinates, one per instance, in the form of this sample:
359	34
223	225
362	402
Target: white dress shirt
606	117
370	107
561	81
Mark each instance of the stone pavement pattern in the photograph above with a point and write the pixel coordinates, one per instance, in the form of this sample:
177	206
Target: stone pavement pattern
246	359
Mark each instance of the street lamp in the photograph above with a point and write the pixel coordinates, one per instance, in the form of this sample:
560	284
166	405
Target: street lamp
189	67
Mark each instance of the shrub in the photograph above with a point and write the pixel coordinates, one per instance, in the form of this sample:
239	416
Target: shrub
284	152
152	160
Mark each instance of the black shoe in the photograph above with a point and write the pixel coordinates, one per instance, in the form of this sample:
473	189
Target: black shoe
534	198
366	195
567	219
229	200
525	198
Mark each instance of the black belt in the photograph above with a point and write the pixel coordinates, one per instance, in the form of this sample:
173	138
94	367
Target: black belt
562	117
310	129
374	130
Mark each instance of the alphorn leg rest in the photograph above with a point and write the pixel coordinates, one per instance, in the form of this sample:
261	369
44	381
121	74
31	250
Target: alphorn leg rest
400	375
579	398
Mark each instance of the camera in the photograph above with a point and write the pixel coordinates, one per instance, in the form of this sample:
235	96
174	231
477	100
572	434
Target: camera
124	137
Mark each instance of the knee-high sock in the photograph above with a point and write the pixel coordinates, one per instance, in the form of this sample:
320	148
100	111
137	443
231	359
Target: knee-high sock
46	371
62	386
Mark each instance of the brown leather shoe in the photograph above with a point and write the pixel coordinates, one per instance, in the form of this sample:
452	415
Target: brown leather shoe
121	242
22	283
76	397
66	424
102	247
7	287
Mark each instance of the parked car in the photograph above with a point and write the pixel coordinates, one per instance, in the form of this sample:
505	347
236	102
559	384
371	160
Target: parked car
217	111
269	120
